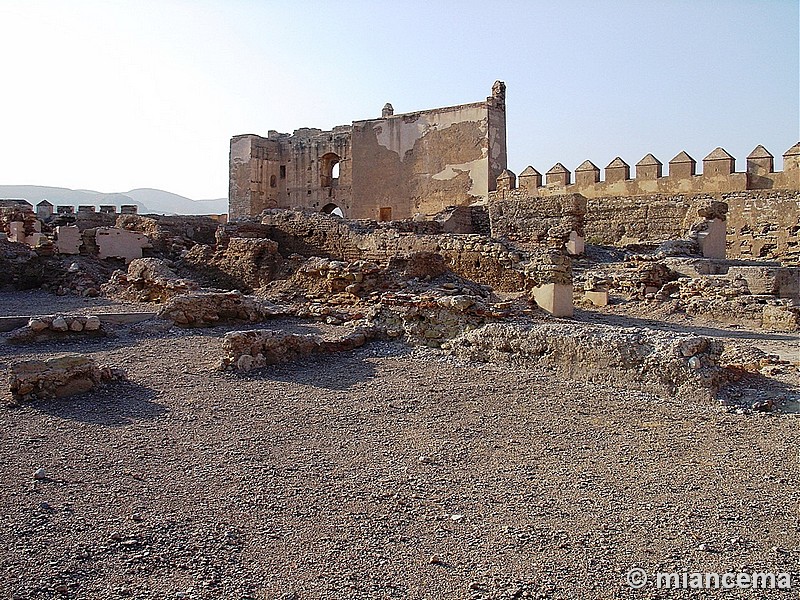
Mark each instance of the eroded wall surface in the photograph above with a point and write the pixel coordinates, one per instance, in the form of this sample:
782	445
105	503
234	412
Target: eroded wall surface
392	167
420	163
290	171
762	224
524	220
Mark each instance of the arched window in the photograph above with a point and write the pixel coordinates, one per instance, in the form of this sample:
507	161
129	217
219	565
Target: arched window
329	170
273	182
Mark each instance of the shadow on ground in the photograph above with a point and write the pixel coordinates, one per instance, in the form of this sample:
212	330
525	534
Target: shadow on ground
338	371
112	405
755	392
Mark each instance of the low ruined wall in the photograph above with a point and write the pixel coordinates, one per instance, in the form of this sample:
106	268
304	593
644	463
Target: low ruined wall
760	224
475	257
515	216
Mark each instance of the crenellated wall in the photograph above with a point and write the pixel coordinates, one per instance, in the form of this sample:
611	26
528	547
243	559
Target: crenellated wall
763	220
718	176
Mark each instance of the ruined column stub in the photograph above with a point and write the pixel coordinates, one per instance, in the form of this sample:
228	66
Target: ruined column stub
498	97
648	168
530	179
617	170
587	173
388	110
718	162
682	166
558	175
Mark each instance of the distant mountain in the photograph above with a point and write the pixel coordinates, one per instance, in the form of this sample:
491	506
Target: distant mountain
148	200
169	203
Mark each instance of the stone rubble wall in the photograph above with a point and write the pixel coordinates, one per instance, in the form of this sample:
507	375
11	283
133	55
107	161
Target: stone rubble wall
667	364
244	351
763	224
244	263
476	257
206	309
517	217
147	280
56	326
169	234
58	377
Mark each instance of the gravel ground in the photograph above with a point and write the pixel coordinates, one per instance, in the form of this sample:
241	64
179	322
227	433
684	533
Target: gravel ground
37	302
379	473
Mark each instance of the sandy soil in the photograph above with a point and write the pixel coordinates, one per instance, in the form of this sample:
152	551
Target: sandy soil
381	473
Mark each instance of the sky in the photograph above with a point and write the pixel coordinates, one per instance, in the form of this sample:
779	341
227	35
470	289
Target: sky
113	95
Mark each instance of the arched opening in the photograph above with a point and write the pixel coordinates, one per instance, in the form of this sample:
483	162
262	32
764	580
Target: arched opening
329	170
332	209
273	182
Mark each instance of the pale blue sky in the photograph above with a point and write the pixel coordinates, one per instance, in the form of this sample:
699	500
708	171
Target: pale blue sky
113	95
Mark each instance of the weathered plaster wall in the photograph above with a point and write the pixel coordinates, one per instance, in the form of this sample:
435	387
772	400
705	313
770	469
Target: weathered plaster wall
421	162
393	167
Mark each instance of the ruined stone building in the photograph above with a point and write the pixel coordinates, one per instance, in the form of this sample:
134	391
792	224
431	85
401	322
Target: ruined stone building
393	167
416	164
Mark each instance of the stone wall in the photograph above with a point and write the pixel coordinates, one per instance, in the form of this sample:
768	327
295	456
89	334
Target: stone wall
718	176
290	171
763	224
475	257
517	217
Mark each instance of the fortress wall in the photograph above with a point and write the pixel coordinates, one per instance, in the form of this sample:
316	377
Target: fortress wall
761	224
718	176
523	220
763	219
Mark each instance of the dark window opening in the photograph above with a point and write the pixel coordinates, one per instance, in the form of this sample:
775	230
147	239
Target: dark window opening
329	170
273	182
283	171
332	209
